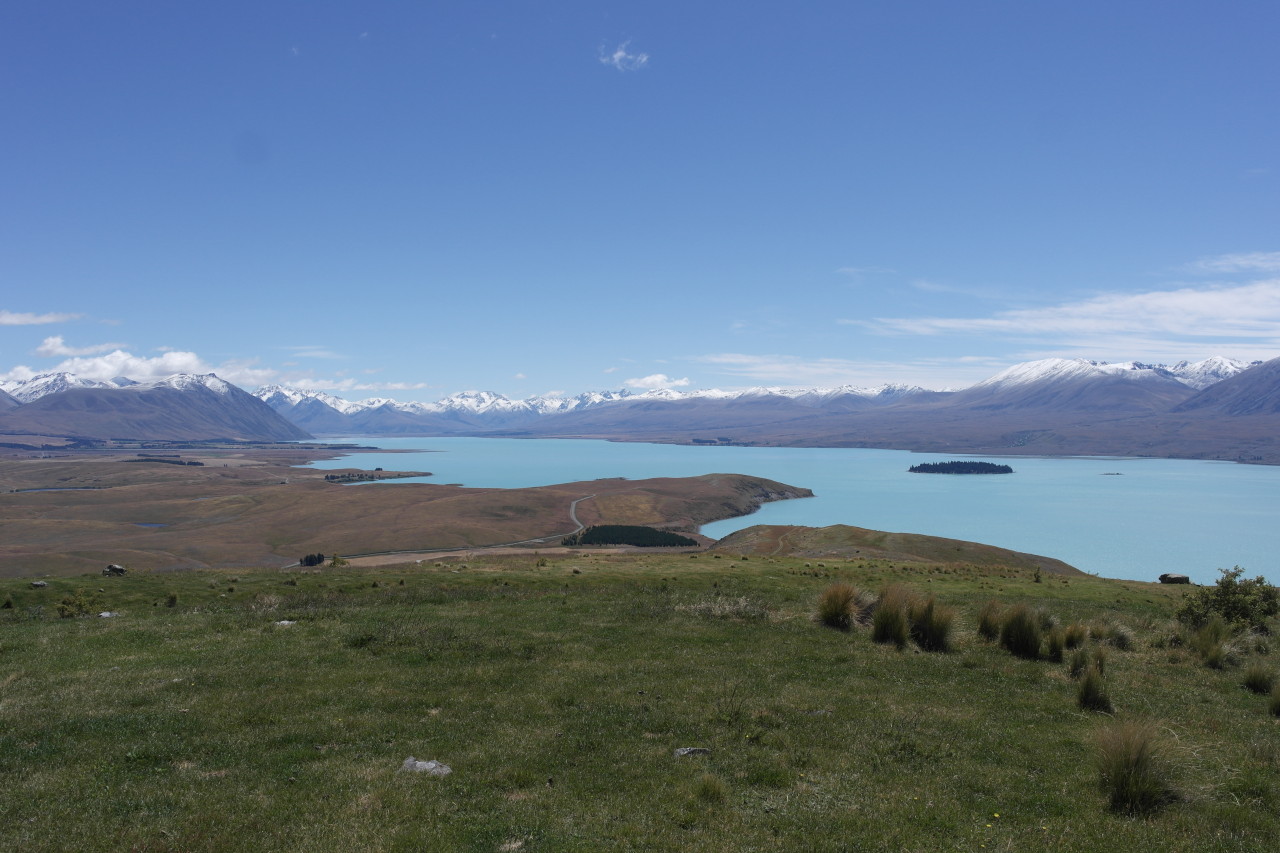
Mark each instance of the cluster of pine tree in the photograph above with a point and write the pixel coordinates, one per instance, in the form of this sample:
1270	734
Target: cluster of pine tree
311	560
626	534
959	467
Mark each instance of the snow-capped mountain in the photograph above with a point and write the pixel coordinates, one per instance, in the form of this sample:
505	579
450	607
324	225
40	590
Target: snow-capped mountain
179	407
1046	385
470	410
1039	396
25	391
1201	374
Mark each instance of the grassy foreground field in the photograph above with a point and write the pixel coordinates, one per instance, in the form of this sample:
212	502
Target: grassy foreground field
194	719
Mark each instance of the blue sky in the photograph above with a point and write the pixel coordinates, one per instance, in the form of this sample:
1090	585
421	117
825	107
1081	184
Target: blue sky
412	199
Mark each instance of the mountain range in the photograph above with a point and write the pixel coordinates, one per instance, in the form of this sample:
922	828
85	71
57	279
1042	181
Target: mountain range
1216	408
182	407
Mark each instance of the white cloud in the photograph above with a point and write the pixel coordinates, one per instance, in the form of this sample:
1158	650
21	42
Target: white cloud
11	318
314	352
612	369
1249	311
801	372
622	60
311	383
1244	262
655	381
519	376
142	369
55	346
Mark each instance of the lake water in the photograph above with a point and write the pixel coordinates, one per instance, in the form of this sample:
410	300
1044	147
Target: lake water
1158	515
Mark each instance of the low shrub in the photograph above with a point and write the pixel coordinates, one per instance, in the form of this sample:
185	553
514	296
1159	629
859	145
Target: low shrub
931	624
1259	679
889	624
1020	632
1091	694
80	603
1244	603
1132	770
838	606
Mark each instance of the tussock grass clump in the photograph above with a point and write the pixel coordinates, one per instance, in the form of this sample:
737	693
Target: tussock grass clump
1054	642
1020	632
1079	662
931	624
890	623
1212	642
1116	635
727	607
989	619
838	606
1100	659
1259	679
1132	770
1075	636
710	789
1091	694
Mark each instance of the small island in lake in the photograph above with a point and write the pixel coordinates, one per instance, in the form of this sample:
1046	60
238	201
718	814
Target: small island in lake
959	467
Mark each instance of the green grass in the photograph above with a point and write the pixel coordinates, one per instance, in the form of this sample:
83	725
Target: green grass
559	698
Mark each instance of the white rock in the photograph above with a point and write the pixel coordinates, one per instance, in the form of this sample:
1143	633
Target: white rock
433	768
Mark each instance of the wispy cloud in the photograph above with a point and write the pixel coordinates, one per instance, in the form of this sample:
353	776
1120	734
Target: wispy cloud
55	347
622	59
655	381
803	372
1247	262
15	318
311	383
314	352
1250	311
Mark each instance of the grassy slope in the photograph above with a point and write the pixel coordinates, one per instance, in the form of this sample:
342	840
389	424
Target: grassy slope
843	540
557	694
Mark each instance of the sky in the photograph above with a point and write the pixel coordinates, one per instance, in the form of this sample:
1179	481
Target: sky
409	200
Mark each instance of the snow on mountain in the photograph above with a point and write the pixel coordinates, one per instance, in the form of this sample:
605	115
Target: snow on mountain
1201	374
26	391
1072	369
183	382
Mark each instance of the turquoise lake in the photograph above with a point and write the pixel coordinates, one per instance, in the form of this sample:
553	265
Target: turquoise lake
1157	515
